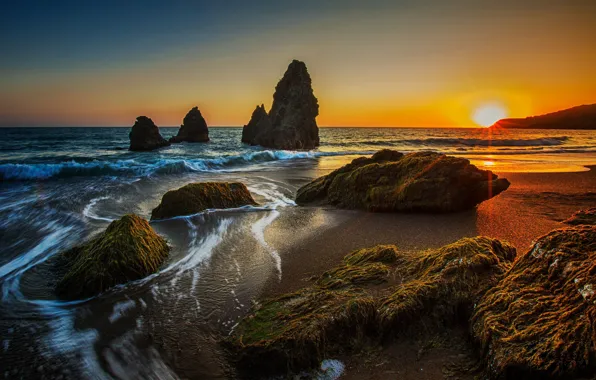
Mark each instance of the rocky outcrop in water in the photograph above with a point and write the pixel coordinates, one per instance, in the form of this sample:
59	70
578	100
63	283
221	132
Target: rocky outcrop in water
291	122
129	249
145	135
197	197
392	182
193	128
539	321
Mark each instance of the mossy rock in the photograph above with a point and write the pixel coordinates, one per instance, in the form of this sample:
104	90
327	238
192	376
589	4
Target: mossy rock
392	182
294	331
587	217
539	321
367	266
346	306
197	197
440	286
128	250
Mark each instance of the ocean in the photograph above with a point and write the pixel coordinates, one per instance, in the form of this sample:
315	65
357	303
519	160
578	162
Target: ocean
59	186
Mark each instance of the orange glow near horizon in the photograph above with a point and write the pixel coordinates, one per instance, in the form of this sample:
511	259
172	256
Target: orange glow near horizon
420	67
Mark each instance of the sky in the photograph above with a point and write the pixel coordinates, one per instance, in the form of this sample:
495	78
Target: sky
427	63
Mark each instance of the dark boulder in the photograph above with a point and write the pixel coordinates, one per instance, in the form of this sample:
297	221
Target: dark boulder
291	122
392	182
193	128
197	197
145	135
259	121
539	321
129	249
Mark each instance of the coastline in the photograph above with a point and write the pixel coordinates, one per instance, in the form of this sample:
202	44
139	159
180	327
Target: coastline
535	204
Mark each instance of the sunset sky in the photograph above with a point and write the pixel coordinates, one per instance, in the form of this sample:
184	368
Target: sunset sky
373	63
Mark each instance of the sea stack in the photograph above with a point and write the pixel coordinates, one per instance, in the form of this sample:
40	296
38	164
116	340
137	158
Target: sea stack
193	128
291	122
145	135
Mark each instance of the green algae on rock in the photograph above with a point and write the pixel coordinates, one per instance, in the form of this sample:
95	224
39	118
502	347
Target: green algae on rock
129	249
347	304
587	217
539	321
197	197
442	285
392	182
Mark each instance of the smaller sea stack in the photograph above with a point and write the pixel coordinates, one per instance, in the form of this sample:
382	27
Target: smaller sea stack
193	128
145	135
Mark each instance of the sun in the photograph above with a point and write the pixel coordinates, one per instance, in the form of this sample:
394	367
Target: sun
488	114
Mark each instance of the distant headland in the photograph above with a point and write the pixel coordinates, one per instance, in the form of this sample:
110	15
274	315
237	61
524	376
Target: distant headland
580	117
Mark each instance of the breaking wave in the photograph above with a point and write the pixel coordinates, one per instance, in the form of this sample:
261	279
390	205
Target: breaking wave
458	142
132	167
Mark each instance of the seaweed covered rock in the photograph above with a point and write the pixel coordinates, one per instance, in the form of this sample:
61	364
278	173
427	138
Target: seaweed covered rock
587	217
296	330
145	135
373	293
539	321
392	182
291	122
193	128
129	249
440	286
259	121
197	197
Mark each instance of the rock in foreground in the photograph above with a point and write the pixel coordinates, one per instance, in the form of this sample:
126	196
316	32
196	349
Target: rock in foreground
587	217
375	292
193	128
540	320
145	135
392	182
291	122
129	249
197	197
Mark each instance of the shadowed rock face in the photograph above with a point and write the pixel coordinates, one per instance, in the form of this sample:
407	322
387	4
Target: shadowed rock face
197	197
145	135
291	122
538	322
392	182
129	249
193	128
259	121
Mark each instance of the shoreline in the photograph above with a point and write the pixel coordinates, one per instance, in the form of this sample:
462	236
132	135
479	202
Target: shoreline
535	204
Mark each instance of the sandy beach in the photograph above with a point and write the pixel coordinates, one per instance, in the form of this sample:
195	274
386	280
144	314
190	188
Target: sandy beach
535	204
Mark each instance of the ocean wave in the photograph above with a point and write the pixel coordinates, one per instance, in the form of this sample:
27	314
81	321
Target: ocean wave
132	167
458	142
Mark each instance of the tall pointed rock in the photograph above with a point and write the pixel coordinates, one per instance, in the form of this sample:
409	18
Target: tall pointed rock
291	122
193	128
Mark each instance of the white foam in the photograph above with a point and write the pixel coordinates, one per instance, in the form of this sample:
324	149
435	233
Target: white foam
120	310
90	213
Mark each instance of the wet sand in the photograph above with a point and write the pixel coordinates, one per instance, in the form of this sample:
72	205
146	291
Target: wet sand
535	204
